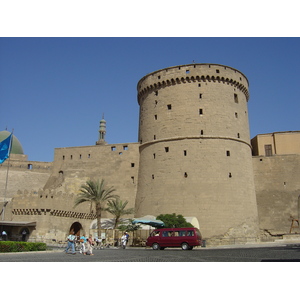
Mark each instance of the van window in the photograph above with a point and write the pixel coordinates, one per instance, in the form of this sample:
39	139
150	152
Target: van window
190	233
180	233
155	233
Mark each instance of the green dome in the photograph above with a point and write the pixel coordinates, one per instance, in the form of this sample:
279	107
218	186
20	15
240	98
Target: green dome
16	145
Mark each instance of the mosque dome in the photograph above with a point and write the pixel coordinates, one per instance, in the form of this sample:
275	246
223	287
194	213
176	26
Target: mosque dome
16	145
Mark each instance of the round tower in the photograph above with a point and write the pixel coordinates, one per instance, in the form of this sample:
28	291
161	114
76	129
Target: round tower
195	152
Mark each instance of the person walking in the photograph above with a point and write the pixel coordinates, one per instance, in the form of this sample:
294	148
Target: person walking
71	242
89	245
124	240
83	241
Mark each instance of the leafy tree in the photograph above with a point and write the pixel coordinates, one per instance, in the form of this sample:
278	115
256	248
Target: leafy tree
173	220
117	208
97	193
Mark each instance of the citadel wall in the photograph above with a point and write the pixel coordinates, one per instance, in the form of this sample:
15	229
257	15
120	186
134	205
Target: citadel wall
195	153
278	192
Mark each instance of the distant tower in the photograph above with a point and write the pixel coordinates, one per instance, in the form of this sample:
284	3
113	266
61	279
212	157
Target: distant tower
102	132
195	152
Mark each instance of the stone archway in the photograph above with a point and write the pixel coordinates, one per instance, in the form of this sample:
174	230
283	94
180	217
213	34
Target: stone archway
76	227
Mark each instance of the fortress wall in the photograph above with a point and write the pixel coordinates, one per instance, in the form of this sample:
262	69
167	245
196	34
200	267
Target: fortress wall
195	150
117	164
277	191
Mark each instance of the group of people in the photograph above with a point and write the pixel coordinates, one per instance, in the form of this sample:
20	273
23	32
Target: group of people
86	244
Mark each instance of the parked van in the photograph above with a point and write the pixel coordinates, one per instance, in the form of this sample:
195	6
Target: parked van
186	238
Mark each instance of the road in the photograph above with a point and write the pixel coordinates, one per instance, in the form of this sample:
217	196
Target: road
286	253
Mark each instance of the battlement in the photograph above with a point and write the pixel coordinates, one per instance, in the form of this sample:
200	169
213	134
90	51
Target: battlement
192	73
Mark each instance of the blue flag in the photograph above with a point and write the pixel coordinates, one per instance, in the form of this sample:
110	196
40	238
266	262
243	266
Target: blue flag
5	148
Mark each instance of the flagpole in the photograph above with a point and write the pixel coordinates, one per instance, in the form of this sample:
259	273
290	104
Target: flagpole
5	190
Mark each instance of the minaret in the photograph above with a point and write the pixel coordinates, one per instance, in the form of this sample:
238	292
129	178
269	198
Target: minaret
102	132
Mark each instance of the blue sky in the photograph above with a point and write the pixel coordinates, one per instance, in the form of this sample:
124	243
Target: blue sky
53	91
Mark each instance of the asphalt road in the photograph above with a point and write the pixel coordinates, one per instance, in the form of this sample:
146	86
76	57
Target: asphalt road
283	253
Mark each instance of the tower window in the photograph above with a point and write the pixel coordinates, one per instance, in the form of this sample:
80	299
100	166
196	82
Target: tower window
169	106
63	157
236	115
200	111
132	165
200	96
238	135
155	117
132	178
154	155
236	99
71	156
29	167
79	156
184	152
113	148
125	147
228	153
158	77
201	132
152	176
185	175
167	149
89	155
199	84
217	71
156	93
187	71
229	175
154	137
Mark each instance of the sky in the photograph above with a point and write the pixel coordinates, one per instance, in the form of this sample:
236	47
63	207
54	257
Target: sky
54	91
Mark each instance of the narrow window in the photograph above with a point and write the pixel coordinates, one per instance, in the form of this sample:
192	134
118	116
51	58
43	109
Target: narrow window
158	77
236	115
169	106
132	178
185	175
167	149
89	155
187	71
200	111
154	137
79	156
71	156
154	155
236	99
120	153
199	84
156	93
200	96
217	71
229	175
152	176
155	117
184	152
29	167
113	148
201	132
132	165
268	150
228	153
238	135
63	157
125	147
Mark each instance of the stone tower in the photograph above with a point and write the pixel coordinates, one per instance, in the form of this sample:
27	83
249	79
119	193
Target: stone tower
195	152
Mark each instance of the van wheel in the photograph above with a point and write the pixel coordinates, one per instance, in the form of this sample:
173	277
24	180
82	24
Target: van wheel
155	246
185	246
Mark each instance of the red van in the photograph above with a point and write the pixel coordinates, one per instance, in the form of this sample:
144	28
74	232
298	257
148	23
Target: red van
186	238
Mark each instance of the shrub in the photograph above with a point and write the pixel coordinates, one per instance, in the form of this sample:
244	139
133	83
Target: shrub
9	246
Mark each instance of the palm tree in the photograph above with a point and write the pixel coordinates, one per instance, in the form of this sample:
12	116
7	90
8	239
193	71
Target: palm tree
117	208
97	193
